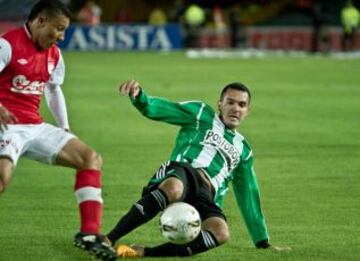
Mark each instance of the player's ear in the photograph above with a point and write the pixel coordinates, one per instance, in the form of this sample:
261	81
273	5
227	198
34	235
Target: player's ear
219	105
41	20
247	112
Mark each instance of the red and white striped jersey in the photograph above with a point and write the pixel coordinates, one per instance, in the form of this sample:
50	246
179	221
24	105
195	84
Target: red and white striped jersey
25	71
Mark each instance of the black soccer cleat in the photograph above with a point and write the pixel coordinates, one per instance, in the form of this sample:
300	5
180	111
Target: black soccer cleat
96	245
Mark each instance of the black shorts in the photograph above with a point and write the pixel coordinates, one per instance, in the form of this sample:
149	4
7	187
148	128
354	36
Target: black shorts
196	191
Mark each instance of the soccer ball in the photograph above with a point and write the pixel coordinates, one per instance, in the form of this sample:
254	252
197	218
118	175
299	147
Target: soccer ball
180	223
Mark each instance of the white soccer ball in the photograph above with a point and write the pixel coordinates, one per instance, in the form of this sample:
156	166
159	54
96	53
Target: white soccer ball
180	223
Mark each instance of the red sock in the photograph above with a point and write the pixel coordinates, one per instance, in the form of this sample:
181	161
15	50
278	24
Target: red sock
88	195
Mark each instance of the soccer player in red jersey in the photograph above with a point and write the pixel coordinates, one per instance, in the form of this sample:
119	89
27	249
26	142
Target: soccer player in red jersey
31	64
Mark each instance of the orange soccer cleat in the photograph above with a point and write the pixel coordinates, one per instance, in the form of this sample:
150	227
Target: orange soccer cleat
129	251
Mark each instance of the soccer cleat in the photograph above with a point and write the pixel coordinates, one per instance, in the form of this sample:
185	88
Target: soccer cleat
84	241
126	251
96	245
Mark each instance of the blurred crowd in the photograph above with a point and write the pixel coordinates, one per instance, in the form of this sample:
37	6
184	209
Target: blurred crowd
221	23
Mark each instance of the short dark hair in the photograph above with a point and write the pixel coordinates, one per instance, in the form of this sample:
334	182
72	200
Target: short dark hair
52	8
236	86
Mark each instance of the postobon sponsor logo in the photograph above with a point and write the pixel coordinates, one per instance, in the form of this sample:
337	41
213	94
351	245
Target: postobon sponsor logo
22	85
228	150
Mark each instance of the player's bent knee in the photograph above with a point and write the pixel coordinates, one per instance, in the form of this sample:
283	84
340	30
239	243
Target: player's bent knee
174	194
223	237
98	160
173	189
91	160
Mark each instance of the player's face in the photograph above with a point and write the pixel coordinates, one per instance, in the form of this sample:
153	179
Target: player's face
234	107
50	30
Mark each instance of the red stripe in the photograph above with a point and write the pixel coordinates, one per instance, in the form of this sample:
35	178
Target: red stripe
88	178
91	215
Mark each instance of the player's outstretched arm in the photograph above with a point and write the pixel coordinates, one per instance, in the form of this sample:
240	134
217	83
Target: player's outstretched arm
161	109
6	118
130	88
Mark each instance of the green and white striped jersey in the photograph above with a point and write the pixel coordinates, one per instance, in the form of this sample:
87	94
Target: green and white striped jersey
206	143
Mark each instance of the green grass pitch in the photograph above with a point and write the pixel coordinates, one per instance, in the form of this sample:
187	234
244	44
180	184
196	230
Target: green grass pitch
304	127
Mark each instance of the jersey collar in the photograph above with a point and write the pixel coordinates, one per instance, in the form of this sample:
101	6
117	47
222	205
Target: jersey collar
227	130
27	31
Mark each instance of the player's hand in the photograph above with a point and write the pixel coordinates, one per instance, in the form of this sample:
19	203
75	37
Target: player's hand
130	88
6	118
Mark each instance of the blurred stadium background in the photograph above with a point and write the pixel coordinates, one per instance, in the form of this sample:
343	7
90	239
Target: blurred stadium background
301	25
304	124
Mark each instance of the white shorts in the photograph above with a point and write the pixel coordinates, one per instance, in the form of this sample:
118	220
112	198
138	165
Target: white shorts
41	142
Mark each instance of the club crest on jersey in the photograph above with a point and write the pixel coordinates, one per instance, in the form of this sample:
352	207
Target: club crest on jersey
21	84
230	153
22	61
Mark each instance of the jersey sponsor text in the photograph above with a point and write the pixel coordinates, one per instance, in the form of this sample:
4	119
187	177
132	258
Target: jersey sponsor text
227	150
20	84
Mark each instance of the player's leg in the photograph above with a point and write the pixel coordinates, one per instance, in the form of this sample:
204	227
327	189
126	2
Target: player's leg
12	142
214	227
55	146
214	232
88	163
6	170
170	183
78	155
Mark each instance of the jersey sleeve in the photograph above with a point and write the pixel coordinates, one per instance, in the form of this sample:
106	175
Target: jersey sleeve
247	195
5	53
160	109
58	75
56	102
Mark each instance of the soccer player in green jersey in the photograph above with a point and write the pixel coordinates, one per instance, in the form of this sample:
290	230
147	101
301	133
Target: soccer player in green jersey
209	154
